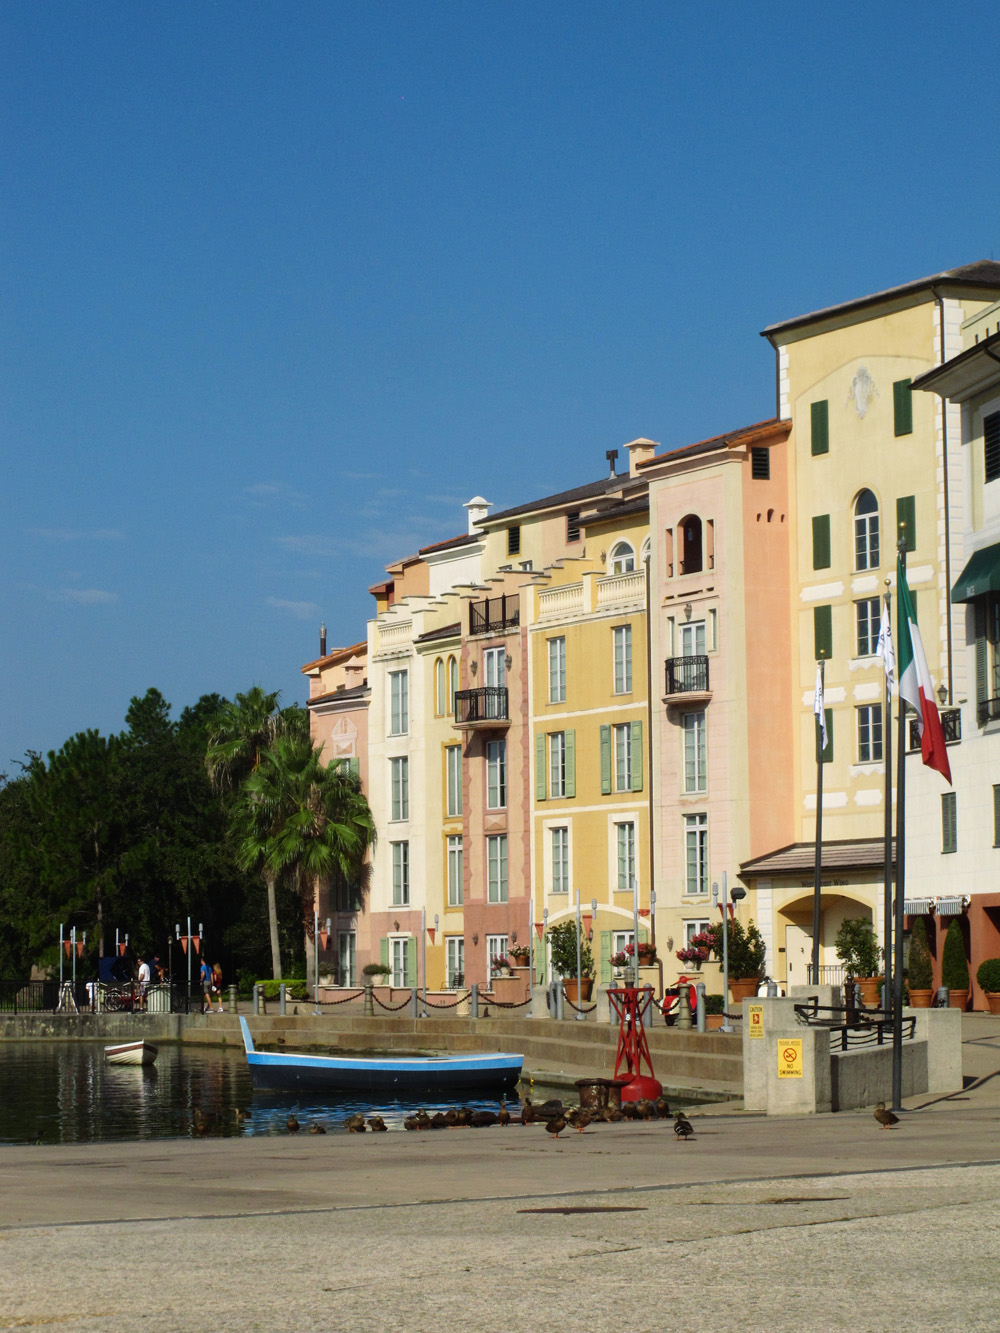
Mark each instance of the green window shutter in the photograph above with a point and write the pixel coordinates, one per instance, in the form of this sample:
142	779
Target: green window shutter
906	521
820	423
982	655
902	407
540	962
384	952
821	541
541	776
823	632
570	763
949	822
636	775
411	962
828	751
605	760
605	957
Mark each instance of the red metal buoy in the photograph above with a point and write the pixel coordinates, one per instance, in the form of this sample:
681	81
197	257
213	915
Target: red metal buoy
630	1004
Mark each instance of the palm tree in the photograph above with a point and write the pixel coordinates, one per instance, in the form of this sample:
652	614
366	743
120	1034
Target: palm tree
238	736
299	818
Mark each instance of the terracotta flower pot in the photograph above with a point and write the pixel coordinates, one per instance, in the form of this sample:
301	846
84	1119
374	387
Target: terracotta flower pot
743	988
871	989
570	991
958	999
921	999
993	1000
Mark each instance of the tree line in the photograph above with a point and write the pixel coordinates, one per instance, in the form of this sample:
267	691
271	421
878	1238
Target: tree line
226	814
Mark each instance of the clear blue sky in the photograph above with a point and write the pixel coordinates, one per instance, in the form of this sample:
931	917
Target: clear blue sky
283	284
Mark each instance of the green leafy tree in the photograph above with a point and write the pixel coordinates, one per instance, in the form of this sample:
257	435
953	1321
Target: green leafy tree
920	970
745	948
954	965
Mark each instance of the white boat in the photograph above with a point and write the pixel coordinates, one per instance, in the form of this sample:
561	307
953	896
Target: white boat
131	1053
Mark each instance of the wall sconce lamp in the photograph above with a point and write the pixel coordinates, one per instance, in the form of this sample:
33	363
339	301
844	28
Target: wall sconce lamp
395	926
593	918
508	661
688	608
473	667
475	938
513	936
942	693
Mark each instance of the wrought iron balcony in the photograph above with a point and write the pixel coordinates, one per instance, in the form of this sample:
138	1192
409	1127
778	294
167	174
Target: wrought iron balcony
987	710
494	615
951	725
482	709
687	680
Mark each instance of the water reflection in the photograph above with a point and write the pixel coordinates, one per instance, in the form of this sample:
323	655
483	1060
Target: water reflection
65	1092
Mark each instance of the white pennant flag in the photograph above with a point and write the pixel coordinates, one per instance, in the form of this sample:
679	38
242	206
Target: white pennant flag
818	708
885	648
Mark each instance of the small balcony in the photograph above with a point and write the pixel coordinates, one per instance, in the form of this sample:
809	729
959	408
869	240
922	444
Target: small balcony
687	681
494	615
987	710
951	726
484	709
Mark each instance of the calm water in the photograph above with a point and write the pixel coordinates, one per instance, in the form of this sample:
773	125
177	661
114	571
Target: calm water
64	1092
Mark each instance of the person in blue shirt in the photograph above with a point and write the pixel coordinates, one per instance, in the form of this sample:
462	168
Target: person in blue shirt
205	976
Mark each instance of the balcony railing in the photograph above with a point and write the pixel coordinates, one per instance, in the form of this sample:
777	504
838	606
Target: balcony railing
687	675
987	710
494	615
483	707
951	725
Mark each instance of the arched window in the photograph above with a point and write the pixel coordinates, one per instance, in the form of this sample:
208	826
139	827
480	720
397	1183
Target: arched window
866	531
622	558
452	683
440	693
691	561
645	552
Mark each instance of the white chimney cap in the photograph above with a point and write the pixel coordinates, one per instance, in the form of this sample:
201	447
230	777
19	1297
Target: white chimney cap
478	509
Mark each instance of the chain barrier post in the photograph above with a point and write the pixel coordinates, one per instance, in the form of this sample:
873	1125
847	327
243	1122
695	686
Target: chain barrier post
413	1002
474	1000
700	992
281	999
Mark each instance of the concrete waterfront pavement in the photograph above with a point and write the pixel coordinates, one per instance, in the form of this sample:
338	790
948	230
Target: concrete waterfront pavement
824	1222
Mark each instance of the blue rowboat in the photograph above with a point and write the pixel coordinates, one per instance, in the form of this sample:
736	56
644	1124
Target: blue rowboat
491	1071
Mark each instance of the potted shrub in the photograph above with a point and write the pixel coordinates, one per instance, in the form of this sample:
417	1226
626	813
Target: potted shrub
519	955
920	972
988	977
562	944
747	952
375	970
714	1013
955	968
857	949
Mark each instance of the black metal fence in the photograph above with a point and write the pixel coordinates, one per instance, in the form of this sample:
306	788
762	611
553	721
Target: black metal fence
488	704
46	997
494	615
687	675
951	726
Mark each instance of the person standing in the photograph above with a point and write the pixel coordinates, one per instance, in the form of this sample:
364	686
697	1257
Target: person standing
143	984
205	977
217	983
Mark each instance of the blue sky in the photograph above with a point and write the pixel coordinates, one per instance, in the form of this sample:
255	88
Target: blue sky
284	284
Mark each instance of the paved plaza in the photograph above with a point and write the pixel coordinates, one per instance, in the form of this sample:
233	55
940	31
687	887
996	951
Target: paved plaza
823	1222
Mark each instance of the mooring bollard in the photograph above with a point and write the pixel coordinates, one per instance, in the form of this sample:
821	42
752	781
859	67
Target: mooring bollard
684	1007
560	999
281	999
474	1000
700	992
256	998
369	1011
413	1002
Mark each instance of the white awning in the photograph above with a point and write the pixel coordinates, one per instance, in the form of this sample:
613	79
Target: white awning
917	906
950	906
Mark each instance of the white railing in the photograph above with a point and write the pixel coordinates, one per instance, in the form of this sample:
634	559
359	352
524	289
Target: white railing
621	589
562	601
394	636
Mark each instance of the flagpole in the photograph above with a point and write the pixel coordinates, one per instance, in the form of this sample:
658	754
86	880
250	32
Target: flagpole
819	705
887	745
897	970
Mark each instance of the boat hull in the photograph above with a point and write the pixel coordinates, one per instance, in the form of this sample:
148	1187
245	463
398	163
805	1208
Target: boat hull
131	1053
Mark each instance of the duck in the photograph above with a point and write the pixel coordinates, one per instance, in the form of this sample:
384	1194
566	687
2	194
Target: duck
503	1115
583	1119
317	1128
682	1126
629	1112
422	1118
645	1109
482	1119
355	1124
885	1118
662	1108
439	1120
376	1124
464	1115
527	1112
451	1117
292	1125
613	1116
555	1126
550	1109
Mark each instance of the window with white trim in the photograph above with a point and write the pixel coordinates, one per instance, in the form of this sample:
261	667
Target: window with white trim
866	542
399	703
347	957
625	856
400	805
440	692
696	854
455	961
496	947
622	638
495	667
557	670
400	959
453	773
496	775
559	839
557	763
452	684
496	868
622	558
869	733
695	752
867	619
400	874
455	870
622	733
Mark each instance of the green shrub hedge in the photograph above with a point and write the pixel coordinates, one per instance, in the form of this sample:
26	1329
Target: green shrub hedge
988	975
294	989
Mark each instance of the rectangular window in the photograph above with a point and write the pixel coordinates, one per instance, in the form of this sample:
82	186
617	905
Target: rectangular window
557	764
573	526
400	874
692	928
399	703
401	963
557	671
453	769
514	539
906	521
496	947
400	770
760	463
623	757
693	639
867	618
821	541
695	755
625	834
696	854
902	407
991	446
820	426
496	869
996	815
455	869
347	957
622	637
495	667
560	860
455	961
869	733
496	775
949	822
822	632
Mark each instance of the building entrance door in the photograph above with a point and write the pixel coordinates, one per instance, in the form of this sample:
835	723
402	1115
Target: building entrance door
798	955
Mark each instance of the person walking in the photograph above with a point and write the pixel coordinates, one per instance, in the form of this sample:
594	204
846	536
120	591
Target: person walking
217	983
205	976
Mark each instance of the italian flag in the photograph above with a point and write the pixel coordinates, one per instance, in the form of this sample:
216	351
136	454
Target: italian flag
915	682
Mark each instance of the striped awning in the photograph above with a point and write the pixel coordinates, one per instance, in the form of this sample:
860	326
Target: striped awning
917	906
950	906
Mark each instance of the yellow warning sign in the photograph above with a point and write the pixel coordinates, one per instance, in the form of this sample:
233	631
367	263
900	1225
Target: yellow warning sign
790	1058
756	1016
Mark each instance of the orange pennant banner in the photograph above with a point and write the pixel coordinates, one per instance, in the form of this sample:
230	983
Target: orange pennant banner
121	948
67	945
430	931
196	941
184	943
539	927
79	948
324	937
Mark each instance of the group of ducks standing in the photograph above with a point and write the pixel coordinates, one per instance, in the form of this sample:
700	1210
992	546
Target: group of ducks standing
552	1114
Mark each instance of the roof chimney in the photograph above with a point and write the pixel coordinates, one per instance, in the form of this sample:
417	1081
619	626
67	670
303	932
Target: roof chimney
478	510
638	451
612	456
322	639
